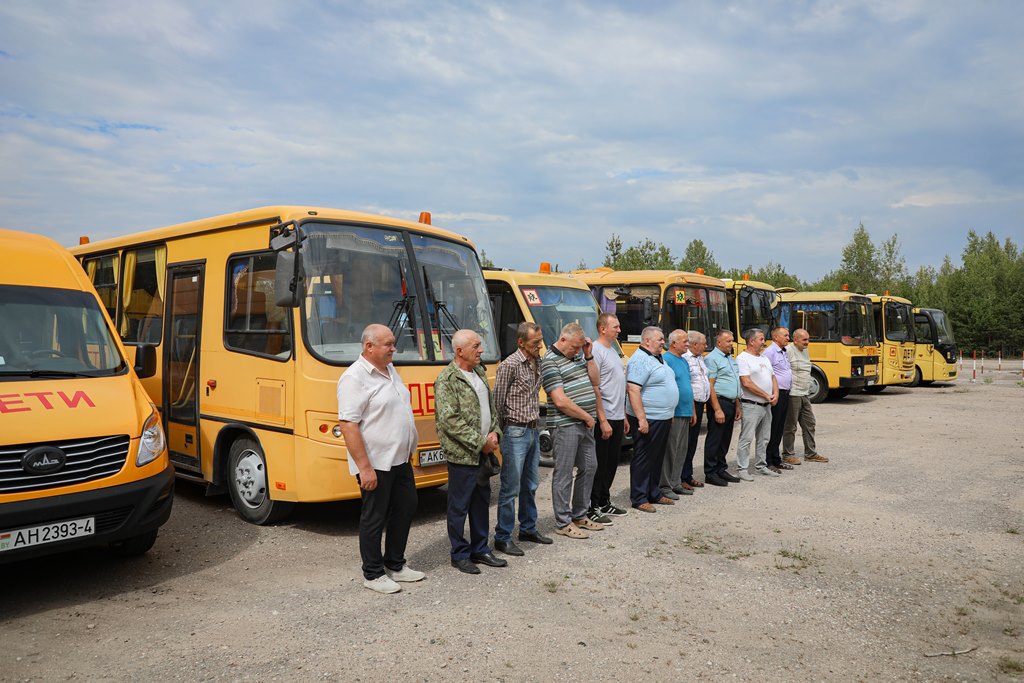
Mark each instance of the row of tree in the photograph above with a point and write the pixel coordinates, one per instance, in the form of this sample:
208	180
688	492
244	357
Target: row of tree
983	296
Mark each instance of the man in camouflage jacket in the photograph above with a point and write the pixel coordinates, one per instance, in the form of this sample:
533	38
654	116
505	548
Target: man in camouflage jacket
467	426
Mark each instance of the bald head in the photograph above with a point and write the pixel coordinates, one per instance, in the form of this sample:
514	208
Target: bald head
468	348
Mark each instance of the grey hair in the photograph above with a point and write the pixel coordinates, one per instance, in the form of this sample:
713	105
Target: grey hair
524	330
722	331
751	334
463	338
696	337
371	333
649	332
676	334
572	330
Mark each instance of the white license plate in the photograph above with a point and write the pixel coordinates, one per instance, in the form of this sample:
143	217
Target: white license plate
431	457
47	533
871	380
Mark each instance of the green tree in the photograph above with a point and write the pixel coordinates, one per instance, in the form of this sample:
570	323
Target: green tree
859	266
697	255
646	255
892	268
485	261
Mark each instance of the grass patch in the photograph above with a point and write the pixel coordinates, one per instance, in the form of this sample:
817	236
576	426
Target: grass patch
1013	530
987	380
1008	665
793	559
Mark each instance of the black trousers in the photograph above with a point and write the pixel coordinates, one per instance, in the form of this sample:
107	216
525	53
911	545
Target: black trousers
467	498
778	427
648	456
691	445
719	438
608	454
389	507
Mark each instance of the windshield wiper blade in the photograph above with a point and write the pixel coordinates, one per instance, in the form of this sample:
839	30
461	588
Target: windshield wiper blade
404	313
443	315
43	373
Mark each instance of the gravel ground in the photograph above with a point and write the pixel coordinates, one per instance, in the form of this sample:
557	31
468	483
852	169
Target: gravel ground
908	543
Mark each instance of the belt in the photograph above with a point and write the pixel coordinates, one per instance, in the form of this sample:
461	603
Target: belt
756	403
532	424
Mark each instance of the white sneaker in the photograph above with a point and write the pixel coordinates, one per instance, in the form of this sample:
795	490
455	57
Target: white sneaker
767	472
382	584
744	475
405	575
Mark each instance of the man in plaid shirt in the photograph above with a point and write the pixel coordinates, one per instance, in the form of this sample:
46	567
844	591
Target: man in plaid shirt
516	388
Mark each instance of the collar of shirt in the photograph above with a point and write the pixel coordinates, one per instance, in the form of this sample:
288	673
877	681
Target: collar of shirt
521	357
371	368
657	358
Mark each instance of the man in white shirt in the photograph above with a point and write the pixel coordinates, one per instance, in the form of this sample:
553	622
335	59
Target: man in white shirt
701	387
760	393
375	415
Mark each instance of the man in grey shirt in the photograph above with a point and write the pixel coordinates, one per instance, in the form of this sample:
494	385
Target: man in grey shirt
799	403
608	432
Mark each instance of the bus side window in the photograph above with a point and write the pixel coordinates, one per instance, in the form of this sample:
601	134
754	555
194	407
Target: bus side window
143	295
103	273
507	316
253	323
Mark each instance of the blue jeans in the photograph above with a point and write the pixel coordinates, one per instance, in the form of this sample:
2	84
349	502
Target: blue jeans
520	477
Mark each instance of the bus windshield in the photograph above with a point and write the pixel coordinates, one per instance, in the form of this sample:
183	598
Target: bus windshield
555	307
50	333
856	324
424	288
943	328
756	310
696	308
898	322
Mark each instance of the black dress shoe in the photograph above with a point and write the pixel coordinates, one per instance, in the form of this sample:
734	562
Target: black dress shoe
534	537
715	480
509	547
466	566
730	477
489	559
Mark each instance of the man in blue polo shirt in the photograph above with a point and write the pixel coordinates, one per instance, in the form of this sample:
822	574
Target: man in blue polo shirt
724	376
682	418
652	397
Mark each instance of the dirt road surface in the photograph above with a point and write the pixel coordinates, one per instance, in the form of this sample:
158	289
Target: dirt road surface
909	543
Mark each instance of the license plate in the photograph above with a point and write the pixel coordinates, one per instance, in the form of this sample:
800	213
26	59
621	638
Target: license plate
871	380
47	533
431	457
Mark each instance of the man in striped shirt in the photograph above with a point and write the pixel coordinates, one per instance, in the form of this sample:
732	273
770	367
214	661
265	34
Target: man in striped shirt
571	380
517	403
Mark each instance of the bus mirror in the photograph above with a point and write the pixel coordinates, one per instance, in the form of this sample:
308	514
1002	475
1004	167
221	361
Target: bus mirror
618	291
145	360
286	279
648	310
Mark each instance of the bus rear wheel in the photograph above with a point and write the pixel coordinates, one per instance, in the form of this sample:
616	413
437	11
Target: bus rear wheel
248	484
818	389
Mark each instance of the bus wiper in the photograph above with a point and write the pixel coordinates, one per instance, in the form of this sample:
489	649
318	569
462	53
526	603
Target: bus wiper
43	373
404	313
442	313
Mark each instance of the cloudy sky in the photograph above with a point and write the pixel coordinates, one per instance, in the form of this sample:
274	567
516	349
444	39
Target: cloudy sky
538	129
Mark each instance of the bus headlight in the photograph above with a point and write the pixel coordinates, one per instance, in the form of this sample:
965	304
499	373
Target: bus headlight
152	442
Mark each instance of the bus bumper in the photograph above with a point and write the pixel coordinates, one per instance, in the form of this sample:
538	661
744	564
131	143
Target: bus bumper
854	382
120	512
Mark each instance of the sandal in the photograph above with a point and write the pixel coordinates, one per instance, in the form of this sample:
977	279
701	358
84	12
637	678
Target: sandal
694	483
572	531
587	523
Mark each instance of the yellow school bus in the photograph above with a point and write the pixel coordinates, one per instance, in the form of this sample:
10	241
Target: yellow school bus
894	325
936	354
751	305
83	459
843	346
256	314
552	300
670	299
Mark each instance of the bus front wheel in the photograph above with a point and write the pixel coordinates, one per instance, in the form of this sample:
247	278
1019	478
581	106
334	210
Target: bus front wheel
248	484
818	389
916	382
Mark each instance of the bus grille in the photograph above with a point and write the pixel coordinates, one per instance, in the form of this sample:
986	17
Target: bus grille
87	460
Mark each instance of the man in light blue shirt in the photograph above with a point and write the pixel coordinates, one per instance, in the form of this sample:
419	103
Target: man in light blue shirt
776	353
724	376
652	397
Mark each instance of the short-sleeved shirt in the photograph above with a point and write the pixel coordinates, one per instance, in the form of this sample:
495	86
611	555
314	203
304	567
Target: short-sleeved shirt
759	370
780	365
699	382
723	370
569	375
800	363
681	369
380	404
657	382
613	381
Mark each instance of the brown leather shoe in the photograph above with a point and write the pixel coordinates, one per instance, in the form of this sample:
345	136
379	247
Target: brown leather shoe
686	486
665	501
791	460
694	483
815	458
645	507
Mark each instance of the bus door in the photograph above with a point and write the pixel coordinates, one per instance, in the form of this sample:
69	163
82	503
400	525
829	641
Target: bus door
181	364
